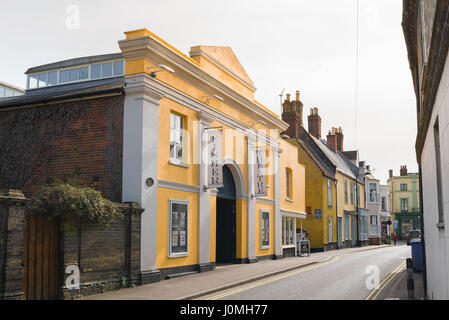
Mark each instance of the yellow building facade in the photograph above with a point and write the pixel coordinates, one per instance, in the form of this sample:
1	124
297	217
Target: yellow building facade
334	189
173	103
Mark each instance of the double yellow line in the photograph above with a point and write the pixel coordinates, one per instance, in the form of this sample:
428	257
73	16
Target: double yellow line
272	279
373	295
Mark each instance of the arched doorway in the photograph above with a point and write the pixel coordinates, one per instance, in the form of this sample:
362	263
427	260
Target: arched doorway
226	220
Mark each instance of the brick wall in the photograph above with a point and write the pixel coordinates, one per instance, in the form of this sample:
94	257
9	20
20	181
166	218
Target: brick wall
108	257
41	144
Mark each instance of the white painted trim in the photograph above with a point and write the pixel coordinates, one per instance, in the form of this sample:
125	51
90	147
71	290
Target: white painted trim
294	214
178	186
155	51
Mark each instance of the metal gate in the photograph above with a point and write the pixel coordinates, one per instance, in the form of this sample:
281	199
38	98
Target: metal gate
40	258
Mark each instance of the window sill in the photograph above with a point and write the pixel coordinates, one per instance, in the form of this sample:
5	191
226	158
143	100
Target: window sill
440	225
264	247
288	199
178	255
288	246
179	164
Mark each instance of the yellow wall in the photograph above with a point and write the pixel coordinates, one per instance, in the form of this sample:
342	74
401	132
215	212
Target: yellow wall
164	195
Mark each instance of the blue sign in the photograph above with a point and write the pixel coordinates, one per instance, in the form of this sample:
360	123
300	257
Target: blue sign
317	214
395	225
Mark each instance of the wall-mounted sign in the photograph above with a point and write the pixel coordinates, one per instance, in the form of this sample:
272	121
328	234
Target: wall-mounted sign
214	159
309	210
317	214
260	173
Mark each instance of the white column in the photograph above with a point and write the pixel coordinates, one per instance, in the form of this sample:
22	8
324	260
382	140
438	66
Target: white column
204	197
140	162
277	203
251	200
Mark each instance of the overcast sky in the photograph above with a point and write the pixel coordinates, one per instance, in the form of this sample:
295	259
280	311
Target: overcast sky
297	45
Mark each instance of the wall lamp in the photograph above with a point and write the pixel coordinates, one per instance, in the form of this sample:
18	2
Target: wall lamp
161	67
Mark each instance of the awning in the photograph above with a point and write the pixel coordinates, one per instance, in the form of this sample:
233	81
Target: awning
293	214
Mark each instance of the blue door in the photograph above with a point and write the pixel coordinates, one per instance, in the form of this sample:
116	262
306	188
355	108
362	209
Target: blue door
339	232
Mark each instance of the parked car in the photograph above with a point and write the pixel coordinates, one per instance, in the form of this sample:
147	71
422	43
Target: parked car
413	234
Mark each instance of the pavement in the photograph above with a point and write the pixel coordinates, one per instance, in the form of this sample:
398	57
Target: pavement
222	278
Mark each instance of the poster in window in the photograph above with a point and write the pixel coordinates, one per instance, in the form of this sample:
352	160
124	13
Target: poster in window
214	159
182	238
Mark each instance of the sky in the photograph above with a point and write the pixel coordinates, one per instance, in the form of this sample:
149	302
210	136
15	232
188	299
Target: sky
302	45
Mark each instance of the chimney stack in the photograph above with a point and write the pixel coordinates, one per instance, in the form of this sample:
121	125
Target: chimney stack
292	114
339	135
390	172
314	120
332	139
368	168
403	171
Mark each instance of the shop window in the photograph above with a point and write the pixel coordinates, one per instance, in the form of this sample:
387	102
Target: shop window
346	227
265	229
176	138
288	231
330	230
178	228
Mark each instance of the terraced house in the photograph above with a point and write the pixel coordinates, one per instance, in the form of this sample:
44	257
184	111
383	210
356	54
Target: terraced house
335	192
179	134
404	202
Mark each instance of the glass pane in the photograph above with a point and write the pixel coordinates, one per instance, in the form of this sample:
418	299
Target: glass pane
84	73
63	76
96	71
74	74
2	92
118	68
33	81
172	120
179	154
43	79
106	69
8	93
179	228
53	78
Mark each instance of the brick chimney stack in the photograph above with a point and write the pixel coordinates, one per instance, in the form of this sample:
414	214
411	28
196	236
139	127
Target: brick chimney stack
403	171
332	139
292	114
339	134
390	172
314	120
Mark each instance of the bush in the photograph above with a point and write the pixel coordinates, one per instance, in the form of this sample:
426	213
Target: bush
75	203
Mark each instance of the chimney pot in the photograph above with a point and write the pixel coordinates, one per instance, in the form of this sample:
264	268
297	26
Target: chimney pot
288	97
390	172
297	95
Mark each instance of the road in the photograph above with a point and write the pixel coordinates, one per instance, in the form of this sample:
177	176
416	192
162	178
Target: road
347	277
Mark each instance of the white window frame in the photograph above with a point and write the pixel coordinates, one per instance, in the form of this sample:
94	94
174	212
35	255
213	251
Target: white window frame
288	224
375	193
406	204
262	212
170	253
329	193
289	184
330	225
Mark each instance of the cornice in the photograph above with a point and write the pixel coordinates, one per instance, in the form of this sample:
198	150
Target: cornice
144	83
152	50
